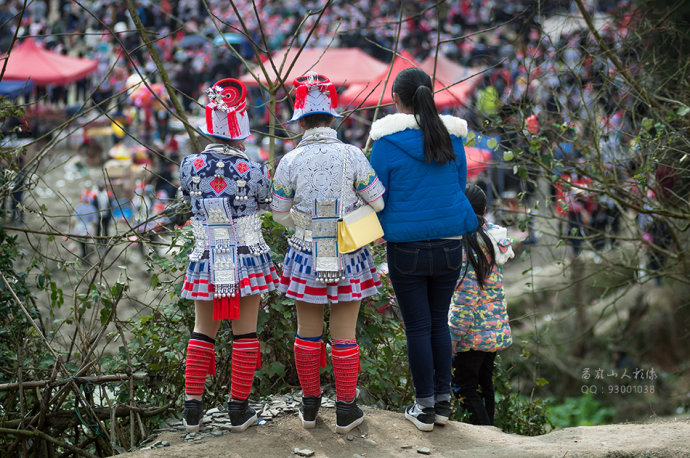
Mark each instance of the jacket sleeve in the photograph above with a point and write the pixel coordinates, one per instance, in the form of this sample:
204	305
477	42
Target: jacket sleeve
185	177
263	192
283	193
459	149
367	183
380	165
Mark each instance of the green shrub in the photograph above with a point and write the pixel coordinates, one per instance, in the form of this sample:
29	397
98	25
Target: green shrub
583	410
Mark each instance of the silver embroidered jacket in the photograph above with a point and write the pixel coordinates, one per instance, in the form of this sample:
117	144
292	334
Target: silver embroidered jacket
314	171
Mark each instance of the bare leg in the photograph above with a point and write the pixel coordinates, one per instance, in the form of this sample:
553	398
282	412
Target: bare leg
249	313
203	319
343	322
309	319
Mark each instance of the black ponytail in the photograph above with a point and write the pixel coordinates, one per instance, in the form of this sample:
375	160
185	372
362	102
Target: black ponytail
481	263
413	86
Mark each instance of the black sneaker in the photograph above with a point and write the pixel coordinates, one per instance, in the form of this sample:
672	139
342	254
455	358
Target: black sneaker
442	409
241	415
191	418
422	417
308	410
347	416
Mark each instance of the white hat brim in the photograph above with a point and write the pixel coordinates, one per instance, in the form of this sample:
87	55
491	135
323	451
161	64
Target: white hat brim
203	130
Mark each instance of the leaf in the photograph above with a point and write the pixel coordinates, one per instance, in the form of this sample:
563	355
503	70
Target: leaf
508	156
492	143
48	361
647	124
278	368
471	139
684	110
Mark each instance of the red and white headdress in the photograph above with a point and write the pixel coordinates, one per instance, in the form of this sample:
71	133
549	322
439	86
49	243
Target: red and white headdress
314	94
226	112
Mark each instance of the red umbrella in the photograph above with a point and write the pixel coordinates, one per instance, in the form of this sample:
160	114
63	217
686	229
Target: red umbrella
369	94
29	61
143	97
343	66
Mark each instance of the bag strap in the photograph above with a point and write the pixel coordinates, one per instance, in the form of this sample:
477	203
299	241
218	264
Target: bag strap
346	166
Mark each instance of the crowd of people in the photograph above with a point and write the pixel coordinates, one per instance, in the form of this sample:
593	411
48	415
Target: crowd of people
546	79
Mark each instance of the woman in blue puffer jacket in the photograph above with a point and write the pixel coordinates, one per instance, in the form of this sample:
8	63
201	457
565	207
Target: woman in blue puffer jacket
420	159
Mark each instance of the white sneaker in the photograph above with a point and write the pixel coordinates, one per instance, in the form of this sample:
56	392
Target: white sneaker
422	417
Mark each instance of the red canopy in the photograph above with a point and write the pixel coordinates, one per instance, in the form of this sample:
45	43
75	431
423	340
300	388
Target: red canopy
343	66
29	61
477	160
449	71
368	94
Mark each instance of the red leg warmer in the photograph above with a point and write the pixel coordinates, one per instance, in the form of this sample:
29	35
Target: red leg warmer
201	361
309	356
345	368
246	358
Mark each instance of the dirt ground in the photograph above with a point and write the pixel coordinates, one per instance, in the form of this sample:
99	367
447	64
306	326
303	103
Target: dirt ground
388	434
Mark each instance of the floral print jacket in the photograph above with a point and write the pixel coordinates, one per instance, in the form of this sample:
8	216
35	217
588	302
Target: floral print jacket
478	318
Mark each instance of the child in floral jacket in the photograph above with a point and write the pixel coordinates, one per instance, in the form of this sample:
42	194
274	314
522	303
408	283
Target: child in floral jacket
478	318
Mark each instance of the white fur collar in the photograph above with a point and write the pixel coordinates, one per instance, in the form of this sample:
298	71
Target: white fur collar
398	122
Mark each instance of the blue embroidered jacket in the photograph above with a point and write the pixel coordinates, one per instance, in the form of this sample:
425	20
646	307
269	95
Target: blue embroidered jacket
236	177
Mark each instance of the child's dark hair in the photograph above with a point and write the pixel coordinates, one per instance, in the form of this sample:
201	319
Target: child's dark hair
316	120
481	263
413	86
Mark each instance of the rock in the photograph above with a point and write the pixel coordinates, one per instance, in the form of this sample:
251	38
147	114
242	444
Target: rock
305	452
165	444
212	411
217	433
405	447
424	451
350	437
224	425
369	442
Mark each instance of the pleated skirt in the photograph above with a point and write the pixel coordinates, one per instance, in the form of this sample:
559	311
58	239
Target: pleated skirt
258	275
298	279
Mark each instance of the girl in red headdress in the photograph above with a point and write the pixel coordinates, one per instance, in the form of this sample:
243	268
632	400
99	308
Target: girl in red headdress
230	266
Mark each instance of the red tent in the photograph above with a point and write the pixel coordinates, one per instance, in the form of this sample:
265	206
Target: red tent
477	160
449	71
368	94
29	61
343	66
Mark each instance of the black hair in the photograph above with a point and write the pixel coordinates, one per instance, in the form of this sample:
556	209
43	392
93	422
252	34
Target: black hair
482	262
413	86
316	120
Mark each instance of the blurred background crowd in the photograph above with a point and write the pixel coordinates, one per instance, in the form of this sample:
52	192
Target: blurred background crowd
535	67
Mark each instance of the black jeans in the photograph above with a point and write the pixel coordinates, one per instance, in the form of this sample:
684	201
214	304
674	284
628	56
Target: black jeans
473	384
424	276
